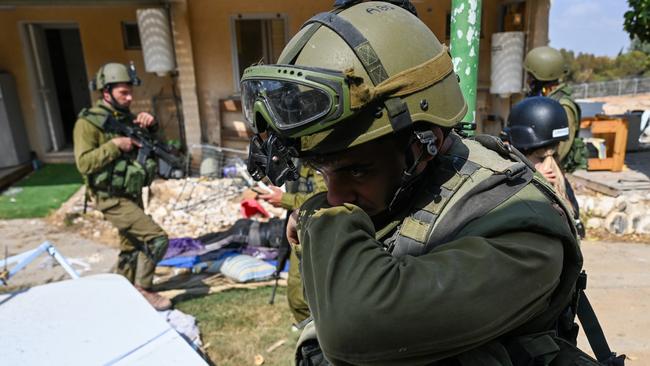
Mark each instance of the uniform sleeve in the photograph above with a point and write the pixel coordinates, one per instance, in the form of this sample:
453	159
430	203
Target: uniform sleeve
372	308
89	155
291	201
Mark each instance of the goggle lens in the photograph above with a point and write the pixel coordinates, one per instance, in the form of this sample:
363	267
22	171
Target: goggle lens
291	104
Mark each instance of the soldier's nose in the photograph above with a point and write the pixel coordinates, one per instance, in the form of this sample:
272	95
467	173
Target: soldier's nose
338	192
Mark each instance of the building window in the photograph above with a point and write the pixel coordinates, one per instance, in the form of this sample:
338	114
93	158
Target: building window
131	36
257	40
513	17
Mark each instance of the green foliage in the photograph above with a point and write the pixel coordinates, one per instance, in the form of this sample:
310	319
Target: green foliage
41	192
637	20
585	67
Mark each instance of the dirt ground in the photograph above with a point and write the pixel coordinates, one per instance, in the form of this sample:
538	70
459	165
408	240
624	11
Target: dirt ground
86	256
618	288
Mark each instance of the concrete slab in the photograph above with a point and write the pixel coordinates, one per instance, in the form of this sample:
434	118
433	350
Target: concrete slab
97	320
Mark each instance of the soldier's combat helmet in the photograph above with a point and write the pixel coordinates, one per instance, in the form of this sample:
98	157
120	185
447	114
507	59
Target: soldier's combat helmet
114	73
536	122
348	77
545	63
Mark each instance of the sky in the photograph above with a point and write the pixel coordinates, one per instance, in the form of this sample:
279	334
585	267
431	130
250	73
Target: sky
589	26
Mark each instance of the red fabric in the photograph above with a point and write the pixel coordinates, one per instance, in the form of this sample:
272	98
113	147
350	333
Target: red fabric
250	207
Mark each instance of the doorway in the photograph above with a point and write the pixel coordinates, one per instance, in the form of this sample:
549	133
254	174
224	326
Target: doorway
60	78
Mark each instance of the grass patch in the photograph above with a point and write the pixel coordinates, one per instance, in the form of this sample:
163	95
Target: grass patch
41	192
239	324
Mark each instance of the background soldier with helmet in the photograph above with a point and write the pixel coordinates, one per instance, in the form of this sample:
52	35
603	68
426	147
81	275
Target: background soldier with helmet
114	178
426	248
536	127
545	67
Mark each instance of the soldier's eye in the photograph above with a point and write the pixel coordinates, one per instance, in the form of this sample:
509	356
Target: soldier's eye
357	173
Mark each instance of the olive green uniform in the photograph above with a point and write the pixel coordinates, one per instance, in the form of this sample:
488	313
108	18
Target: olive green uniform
308	184
441	281
115	181
572	152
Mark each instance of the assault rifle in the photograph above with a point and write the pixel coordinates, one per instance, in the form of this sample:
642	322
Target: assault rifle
150	147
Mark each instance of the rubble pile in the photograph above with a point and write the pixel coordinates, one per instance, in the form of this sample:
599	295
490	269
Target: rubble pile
188	207
193	207
623	215
90	225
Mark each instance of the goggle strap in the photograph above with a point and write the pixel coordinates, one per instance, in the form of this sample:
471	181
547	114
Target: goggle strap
403	83
418	77
291	56
357	42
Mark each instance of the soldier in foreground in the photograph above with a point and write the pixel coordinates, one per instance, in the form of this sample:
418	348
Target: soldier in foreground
426	248
546	67
115	179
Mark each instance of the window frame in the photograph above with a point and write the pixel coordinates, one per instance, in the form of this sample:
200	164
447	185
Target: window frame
125	42
233	38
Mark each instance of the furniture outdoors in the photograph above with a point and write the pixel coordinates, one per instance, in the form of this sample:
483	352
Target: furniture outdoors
614	133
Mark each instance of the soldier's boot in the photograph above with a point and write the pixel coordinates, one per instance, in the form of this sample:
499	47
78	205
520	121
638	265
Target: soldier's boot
154	251
158	302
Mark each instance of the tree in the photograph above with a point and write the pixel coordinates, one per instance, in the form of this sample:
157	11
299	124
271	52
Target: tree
637	20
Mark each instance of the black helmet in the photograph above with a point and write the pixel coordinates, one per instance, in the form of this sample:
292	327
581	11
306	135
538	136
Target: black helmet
536	122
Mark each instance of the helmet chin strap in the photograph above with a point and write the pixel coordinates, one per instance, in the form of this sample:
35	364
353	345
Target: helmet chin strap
426	139
113	102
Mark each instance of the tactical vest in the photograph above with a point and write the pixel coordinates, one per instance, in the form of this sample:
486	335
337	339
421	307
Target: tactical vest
123	176
483	177
305	181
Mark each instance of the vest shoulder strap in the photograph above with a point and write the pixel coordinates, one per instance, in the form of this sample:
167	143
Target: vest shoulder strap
563	97
474	173
95	115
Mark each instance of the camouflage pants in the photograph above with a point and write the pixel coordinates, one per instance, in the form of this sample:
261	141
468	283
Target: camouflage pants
295	294
142	242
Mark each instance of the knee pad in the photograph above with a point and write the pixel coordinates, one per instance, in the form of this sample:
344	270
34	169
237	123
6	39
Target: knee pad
157	247
127	259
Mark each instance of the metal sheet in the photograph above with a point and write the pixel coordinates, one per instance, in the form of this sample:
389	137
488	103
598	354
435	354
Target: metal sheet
95	320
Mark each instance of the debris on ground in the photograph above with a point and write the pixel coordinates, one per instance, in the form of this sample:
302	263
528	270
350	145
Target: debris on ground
188	207
276	345
188	284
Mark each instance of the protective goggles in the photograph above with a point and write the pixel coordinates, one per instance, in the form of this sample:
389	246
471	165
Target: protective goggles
294	100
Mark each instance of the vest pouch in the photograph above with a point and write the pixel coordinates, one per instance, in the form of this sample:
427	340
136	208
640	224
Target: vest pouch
117	178
534	349
134	179
571	355
150	168
101	180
